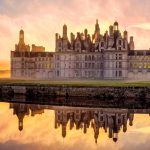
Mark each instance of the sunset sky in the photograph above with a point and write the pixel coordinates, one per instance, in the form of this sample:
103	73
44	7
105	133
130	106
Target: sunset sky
41	19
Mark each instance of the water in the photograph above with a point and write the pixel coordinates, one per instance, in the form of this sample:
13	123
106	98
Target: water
26	126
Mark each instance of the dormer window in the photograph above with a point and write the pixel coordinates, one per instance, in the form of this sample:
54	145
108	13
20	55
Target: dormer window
78	46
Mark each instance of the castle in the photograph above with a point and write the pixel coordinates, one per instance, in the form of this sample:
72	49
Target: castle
111	56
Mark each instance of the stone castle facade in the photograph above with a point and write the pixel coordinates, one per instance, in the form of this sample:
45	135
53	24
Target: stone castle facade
110	56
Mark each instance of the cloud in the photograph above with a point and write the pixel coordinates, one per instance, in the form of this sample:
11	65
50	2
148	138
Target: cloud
145	26
42	19
17	146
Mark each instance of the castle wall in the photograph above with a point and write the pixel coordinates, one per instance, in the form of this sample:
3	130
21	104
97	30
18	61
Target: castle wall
115	64
32	65
69	65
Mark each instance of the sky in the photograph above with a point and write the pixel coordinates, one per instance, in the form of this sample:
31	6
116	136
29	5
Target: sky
41	19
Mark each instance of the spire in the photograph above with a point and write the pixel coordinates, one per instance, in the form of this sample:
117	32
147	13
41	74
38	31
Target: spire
63	131
131	116
85	33
64	31
20	121
111	28
21	37
96	21
72	37
125	35
131	43
97	29
116	26
115	137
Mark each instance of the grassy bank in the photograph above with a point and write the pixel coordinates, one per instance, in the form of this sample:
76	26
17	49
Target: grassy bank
82	83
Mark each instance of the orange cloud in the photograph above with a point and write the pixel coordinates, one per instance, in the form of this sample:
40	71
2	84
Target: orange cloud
42	19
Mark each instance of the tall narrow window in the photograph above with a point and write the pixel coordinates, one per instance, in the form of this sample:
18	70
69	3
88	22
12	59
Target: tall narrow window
120	73
116	74
120	64
119	42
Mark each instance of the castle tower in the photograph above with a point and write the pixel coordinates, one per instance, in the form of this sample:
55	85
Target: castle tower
110	126
124	127
116	26
110	132
56	40
63	130
64	31
106	37
56	36
125	35
21	37
115	137
131	43
111	30
20	120
72	37
21	45
85	33
97	29
131	117
85	128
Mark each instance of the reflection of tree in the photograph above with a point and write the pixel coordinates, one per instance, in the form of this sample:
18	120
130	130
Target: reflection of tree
111	120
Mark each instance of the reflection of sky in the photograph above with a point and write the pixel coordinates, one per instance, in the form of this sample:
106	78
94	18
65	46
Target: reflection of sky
42	18
39	133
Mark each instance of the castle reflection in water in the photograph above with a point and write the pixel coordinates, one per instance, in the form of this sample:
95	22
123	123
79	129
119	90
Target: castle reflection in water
111	120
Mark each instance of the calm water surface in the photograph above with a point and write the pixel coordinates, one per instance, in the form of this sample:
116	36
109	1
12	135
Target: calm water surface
26	126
